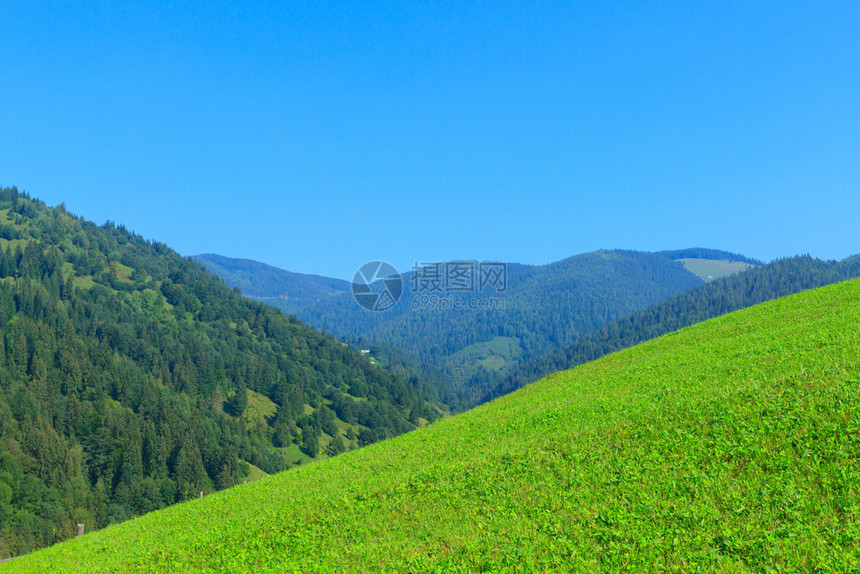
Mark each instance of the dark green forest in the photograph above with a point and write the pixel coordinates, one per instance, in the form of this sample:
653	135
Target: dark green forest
127	373
779	278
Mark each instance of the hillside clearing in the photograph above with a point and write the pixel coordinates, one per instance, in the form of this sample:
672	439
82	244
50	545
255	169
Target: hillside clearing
710	269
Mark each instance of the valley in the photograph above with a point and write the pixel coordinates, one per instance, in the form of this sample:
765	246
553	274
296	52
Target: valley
545	308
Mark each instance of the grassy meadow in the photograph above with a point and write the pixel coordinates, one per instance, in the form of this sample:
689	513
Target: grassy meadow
710	269
729	446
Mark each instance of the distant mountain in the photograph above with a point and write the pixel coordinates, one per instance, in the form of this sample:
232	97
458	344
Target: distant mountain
537	309
131	378
283	289
541	309
759	284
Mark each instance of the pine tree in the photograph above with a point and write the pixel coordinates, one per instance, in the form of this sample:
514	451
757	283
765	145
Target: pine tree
239	401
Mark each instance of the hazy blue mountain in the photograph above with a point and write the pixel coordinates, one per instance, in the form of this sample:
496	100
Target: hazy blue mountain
278	287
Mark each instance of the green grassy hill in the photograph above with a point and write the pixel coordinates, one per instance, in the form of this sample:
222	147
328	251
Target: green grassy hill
710	264
729	446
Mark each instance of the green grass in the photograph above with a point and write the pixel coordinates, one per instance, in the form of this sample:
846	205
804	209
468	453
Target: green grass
710	269
730	446
123	272
5	218
296	456
13	244
83	283
68	269
498	354
255	473
259	407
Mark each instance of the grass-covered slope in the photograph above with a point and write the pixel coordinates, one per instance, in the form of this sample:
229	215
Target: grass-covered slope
710	264
729	446
710	269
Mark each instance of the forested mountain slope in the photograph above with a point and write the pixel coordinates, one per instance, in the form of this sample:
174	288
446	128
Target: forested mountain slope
131	378
729	446
758	284
283	289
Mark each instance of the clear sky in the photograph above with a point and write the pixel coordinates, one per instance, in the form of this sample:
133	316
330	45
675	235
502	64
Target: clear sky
726	125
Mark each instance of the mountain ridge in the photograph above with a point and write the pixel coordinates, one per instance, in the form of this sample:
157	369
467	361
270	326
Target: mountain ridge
284	289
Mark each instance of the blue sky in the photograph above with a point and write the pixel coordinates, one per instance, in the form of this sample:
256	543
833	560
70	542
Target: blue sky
725	125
